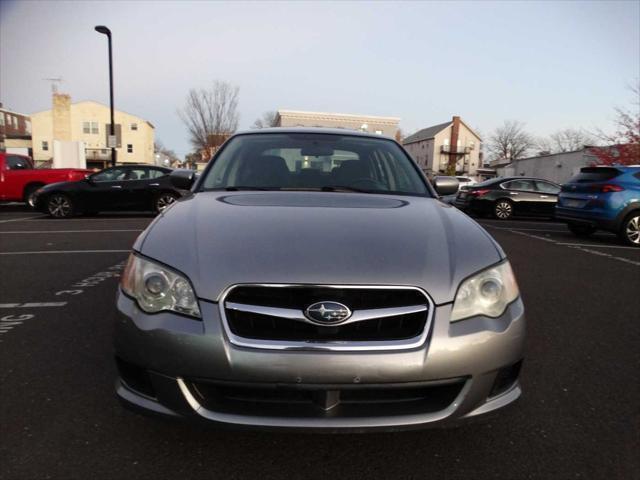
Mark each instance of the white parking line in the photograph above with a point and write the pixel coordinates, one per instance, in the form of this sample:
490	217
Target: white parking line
608	255
597	245
500	222
22	218
64	251
70	231
32	304
583	247
604	234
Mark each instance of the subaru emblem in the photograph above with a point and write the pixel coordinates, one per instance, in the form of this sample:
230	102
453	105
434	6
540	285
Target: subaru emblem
327	313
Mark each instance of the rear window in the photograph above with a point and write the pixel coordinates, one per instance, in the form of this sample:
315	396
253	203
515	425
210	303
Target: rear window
594	174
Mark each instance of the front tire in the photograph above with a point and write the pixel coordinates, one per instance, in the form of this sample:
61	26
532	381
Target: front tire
581	230
59	205
630	230
163	201
503	210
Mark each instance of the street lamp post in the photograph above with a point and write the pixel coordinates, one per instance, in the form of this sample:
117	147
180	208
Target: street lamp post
104	30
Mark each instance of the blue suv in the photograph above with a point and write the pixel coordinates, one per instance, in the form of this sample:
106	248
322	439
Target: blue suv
603	198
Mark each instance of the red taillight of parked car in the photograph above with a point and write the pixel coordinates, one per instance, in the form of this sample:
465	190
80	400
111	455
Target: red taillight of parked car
611	188
478	193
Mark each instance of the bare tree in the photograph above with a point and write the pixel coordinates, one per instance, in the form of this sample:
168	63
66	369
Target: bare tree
211	116
267	120
510	141
623	146
566	140
159	148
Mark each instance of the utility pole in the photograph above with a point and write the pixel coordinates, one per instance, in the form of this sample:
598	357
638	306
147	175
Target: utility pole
112	135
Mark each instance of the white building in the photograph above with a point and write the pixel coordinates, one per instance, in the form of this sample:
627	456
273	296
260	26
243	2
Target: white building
434	147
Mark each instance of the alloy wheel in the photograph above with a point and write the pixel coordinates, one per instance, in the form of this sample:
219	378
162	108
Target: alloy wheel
503	210
59	206
632	230
164	201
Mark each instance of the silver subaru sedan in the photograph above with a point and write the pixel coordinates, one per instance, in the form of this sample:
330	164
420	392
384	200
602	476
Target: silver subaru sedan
314	280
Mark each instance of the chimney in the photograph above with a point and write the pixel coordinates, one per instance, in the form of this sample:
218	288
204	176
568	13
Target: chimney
61	117
453	144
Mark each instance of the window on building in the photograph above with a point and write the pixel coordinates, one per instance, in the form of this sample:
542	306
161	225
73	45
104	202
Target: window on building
134	126
129	148
378	132
90	128
1	119
45	145
15	122
27	126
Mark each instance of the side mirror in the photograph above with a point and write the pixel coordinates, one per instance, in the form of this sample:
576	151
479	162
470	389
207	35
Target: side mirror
88	178
446	185
182	179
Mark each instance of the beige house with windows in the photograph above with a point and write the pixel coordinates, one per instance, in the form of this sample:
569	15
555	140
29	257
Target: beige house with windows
386	126
434	147
89	122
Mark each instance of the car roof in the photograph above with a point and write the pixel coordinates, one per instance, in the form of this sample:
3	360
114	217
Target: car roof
138	165
318	130
505	179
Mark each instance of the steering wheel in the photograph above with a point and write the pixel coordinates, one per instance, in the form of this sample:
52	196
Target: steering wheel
367	183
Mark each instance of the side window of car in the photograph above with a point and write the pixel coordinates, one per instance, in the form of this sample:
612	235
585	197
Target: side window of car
110	175
138	174
525	185
546	187
16	163
155	173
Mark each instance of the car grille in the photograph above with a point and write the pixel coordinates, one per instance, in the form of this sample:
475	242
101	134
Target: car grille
317	400
276	313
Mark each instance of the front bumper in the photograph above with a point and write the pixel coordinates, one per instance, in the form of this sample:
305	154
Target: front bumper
179	357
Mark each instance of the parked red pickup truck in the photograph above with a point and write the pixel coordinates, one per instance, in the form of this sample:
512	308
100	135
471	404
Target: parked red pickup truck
19	179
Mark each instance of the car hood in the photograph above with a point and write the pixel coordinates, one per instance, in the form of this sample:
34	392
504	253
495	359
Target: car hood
220	239
49	187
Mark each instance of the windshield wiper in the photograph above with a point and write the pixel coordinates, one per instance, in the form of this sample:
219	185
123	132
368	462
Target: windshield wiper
237	189
341	188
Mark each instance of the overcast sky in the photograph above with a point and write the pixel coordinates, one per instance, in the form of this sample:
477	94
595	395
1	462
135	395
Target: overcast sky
550	64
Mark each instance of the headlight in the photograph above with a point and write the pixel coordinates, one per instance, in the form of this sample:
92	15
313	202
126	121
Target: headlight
156	287
486	293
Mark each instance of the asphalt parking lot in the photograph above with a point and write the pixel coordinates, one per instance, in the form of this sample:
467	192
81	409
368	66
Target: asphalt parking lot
59	418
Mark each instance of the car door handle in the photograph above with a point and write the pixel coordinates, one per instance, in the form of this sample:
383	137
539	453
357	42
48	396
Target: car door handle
154	184
513	193
116	186
544	196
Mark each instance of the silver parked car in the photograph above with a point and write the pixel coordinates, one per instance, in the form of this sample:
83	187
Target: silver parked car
314	280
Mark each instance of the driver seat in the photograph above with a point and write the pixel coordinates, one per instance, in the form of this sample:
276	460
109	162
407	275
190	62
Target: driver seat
350	171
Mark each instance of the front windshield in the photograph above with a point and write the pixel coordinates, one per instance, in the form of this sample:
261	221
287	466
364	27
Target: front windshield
311	161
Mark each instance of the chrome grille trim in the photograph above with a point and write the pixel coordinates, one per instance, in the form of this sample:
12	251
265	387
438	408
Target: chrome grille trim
359	315
298	315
